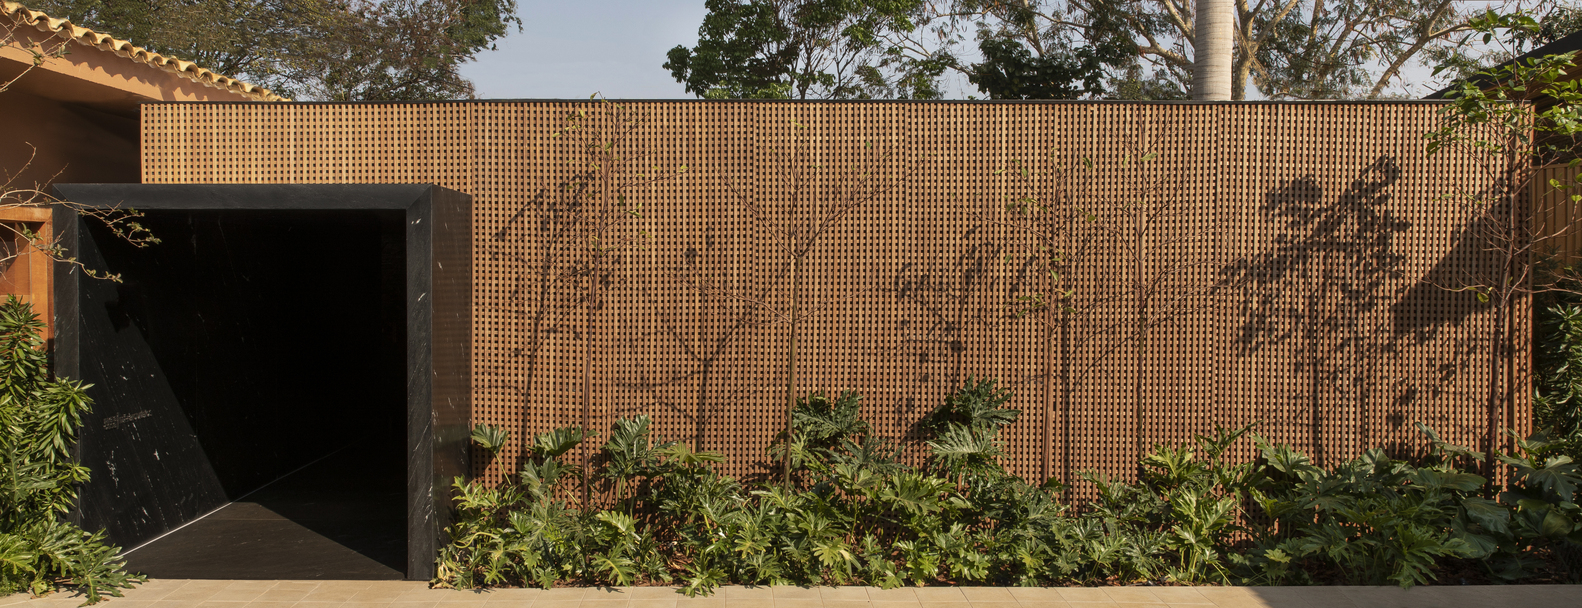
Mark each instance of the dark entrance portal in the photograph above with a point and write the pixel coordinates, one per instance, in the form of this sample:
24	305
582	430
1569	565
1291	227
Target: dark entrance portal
281	335
267	404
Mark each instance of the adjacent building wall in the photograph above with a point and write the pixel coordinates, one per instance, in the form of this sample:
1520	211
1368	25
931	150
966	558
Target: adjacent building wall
69	97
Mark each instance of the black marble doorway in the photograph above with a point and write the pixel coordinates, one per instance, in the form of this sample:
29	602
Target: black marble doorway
279	384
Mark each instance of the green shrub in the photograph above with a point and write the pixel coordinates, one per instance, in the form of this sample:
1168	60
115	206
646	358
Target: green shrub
39	418
1557	398
858	515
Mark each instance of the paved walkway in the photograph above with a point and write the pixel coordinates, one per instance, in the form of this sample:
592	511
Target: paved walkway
169	593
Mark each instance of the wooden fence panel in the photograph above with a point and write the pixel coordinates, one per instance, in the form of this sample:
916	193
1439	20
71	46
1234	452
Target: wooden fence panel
1286	261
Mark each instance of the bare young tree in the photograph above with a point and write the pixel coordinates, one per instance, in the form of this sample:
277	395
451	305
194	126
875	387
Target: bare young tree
1154	237
1511	217
589	217
819	194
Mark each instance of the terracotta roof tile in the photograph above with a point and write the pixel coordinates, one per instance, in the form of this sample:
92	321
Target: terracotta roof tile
86	37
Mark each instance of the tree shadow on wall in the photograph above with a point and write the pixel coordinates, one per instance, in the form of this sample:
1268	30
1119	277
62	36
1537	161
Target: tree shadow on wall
703	330
539	238
950	307
1327	290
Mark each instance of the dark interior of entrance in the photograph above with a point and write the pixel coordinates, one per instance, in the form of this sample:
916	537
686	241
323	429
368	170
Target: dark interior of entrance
256	363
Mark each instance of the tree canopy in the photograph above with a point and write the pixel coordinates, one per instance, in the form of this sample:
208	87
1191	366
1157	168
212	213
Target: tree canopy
820	49
330	50
1045	49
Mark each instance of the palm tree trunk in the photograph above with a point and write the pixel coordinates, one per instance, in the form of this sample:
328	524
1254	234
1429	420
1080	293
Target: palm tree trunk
1214	23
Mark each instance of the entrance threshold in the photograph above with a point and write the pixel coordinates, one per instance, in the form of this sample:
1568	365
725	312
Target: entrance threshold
341	517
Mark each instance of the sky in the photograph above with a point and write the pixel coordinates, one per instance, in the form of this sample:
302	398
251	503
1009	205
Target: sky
570	50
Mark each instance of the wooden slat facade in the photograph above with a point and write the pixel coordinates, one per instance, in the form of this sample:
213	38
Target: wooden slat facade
1294	266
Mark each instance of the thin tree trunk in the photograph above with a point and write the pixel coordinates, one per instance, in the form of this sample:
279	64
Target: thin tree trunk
587	382
590	325
1140	344
1065	403
1492	429
1049	397
796	298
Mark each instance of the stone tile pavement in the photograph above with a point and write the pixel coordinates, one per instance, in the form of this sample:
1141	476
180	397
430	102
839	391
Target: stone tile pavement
167	593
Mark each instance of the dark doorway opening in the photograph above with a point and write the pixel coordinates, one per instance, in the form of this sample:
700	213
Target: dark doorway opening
281	336
282	385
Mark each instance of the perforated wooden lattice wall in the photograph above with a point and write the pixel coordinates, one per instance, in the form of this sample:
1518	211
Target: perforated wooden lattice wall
1283	259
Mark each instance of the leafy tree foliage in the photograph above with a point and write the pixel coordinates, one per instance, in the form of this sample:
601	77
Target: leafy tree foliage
39	418
1557	402
1010	70
1284	48
1030	49
802	49
331	50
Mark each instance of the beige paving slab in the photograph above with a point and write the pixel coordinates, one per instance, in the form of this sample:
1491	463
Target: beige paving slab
655	593
889	603
738	592
421	604
196	590
843	594
244	594
898	594
787	592
604	601
252	585
1237	601
154	589
562	594
549	603
941	594
467	603
54	600
1035	594
712	601
378	594
1010	604
514	593
661	602
798	603
1132	595
978	595
289	594
424	594
956	604
340	591
847	604
1054	603
1300	597
1180	595
1084	595
1550	595
259	604
221	604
